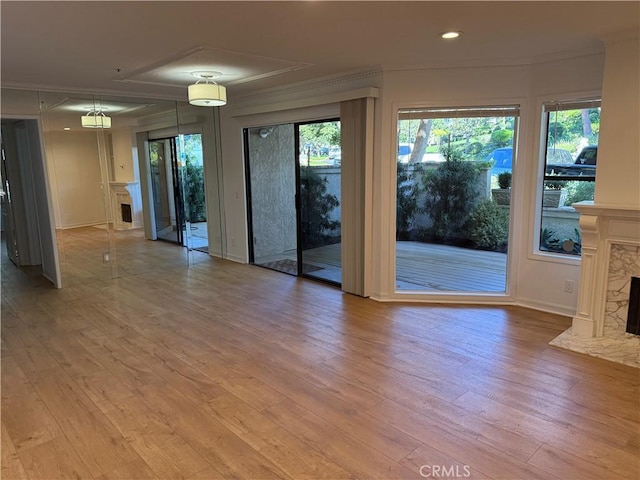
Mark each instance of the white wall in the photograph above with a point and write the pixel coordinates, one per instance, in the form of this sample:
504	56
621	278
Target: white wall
506	85
537	280
123	164
618	179
75	177
541	277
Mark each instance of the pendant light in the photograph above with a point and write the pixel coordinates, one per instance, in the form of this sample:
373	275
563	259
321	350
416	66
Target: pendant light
95	119
209	93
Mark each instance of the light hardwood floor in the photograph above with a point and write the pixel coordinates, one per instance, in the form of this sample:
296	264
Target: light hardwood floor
221	370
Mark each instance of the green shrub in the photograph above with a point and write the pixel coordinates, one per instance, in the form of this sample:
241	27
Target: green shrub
502	138
451	193
504	180
473	149
579	191
488	226
317	205
194	192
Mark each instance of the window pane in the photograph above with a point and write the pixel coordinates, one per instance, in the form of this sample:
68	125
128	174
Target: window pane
570	171
451	229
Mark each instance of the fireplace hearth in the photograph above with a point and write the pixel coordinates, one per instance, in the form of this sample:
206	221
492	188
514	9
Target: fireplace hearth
610	258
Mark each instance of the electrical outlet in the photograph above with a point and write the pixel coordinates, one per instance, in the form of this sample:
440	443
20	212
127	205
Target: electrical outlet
568	286
105	257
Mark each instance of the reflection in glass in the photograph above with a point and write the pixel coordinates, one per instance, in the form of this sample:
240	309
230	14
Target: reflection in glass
79	189
320	184
165	186
271	165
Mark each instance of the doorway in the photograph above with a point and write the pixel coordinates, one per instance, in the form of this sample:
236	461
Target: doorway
177	184
26	223
293	197
165	186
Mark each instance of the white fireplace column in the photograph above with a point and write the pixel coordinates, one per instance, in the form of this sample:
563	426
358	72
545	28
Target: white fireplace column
602	226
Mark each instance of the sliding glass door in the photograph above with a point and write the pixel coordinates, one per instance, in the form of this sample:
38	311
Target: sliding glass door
165	185
191	161
271	185
293	186
319	179
177	185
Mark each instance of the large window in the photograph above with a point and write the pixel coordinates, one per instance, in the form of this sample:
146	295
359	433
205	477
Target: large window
454	171
570	156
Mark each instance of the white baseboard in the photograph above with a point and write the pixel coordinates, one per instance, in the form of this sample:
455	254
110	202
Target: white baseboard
227	256
547	307
521	302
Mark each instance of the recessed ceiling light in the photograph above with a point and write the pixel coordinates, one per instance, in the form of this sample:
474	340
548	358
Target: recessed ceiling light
448	35
67	128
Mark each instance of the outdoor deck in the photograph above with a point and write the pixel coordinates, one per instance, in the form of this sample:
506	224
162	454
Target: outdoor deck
423	266
420	266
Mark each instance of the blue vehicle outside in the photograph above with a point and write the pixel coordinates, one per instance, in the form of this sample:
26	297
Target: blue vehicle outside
502	159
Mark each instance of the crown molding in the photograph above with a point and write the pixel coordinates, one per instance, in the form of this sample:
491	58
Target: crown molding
326	83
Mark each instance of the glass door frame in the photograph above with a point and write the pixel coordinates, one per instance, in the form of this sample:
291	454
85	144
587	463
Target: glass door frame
297	199
299	205
176	191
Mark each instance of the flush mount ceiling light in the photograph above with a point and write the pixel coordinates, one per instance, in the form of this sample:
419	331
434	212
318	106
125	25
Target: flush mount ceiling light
209	93
95	119
450	35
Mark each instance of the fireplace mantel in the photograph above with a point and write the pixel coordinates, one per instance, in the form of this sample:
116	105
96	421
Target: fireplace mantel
126	193
603	227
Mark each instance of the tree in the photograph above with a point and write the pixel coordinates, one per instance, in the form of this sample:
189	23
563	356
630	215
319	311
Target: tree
586	123
502	138
421	142
406	198
320	134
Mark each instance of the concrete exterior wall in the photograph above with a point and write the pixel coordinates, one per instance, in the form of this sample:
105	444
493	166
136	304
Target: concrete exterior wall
273	189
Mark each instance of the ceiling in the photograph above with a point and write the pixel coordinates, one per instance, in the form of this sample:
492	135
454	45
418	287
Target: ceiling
150	48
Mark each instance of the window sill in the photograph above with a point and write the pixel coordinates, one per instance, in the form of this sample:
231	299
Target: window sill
561	258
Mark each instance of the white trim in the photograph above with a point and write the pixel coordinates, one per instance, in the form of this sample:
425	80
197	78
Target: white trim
514	106
555	308
366	92
535	210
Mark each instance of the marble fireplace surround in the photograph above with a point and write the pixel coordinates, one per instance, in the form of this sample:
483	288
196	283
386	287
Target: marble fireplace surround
610	256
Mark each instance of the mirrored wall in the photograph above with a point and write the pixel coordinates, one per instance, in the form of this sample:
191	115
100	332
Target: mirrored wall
135	184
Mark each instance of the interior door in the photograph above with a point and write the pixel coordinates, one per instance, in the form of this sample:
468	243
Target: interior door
167	196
